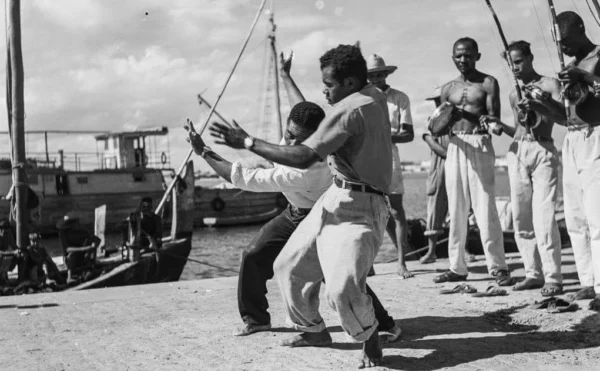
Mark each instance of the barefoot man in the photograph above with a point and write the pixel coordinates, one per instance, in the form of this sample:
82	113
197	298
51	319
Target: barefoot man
581	157
398	106
339	239
302	188
533	171
470	177
437	198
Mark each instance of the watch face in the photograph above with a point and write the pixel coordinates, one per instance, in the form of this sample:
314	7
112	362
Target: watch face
248	142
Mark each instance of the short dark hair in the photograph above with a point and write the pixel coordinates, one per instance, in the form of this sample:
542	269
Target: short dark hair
466	41
346	61
146	199
307	115
569	20
522	46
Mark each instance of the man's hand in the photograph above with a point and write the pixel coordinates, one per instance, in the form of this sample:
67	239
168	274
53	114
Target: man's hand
572	74
232	136
488	121
285	64
194	138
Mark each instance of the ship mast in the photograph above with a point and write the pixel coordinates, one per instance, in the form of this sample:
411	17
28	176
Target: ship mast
16	114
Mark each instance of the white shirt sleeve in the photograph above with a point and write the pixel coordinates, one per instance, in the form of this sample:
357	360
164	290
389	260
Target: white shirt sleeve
277	179
405	115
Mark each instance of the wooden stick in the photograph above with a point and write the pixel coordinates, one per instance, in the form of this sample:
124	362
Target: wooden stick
212	110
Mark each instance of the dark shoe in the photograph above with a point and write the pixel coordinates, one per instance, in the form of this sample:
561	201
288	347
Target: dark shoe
503	278
449	276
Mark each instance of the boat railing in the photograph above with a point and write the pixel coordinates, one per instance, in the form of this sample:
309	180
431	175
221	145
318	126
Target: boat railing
86	161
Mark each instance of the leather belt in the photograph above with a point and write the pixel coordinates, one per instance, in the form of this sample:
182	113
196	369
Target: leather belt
476	131
356	187
533	138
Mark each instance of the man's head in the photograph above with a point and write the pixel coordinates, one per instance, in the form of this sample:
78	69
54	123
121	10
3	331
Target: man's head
303	120
146	205
465	54
378	71
521	57
344	72
572	32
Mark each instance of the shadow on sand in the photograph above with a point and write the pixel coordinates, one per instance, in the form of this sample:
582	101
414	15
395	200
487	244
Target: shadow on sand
493	334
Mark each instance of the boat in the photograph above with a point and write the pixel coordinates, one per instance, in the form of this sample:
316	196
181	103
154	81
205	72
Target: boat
129	166
122	179
224	205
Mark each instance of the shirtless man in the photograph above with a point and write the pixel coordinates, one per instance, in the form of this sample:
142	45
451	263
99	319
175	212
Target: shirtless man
470	177
581	157
533	171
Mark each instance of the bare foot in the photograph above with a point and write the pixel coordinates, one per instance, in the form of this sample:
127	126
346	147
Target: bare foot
583	294
528	284
309	339
428	259
390	335
403	272
371	355
251	329
595	303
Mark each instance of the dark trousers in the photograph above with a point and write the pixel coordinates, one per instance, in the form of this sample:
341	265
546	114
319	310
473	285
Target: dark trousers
257	268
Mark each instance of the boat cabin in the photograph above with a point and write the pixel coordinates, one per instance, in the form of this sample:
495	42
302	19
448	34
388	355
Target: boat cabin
130	149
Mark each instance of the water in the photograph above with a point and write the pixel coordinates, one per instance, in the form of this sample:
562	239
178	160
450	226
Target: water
223	246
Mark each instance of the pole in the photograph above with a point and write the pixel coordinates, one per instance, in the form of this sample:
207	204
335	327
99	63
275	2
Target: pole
17	123
204	101
277	98
526	118
46	145
561	58
597	6
191	151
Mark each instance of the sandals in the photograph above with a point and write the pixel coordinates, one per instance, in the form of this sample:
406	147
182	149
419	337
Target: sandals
552	289
583	294
503	278
491	291
462	289
555	305
595	304
449	276
529	284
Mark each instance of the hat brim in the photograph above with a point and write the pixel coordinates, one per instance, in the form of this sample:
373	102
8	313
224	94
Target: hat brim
389	69
434	97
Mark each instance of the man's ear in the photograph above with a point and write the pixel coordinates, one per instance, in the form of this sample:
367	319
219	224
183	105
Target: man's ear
350	82
478	56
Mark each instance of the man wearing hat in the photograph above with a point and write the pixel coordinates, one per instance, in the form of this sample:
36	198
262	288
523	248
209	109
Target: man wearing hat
398	105
437	198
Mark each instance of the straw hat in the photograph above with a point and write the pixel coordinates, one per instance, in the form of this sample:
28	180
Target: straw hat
437	93
375	64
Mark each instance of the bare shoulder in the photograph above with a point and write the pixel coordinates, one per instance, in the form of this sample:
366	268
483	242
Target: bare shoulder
550	82
490	82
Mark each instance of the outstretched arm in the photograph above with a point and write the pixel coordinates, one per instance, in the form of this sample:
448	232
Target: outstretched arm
221	166
293	92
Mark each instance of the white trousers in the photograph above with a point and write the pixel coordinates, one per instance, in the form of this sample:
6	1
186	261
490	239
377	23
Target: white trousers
533	173
470	182
581	190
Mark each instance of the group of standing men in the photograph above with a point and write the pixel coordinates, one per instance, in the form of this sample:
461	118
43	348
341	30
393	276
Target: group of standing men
339	172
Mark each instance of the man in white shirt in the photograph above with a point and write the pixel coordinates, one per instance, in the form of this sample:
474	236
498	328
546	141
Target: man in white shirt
398	105
302	188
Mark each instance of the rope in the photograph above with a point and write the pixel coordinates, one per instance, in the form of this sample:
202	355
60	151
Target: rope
544	36
592	11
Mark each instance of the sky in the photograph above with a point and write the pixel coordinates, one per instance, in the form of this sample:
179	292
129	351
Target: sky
120	65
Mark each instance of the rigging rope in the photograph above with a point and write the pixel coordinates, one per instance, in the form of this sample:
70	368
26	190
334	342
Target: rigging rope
544	36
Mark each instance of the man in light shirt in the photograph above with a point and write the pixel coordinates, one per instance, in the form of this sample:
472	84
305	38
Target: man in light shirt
302	188
398	105
340	237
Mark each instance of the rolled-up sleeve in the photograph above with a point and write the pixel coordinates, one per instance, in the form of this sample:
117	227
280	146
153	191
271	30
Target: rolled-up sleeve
278	179
405	115
333	132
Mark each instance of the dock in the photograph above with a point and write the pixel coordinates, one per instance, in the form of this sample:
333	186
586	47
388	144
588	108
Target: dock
188	325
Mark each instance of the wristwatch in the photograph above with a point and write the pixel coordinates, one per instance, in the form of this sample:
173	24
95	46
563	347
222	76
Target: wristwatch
248	142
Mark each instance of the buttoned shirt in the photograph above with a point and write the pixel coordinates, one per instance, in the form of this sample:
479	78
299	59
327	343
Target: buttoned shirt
301	187
355	139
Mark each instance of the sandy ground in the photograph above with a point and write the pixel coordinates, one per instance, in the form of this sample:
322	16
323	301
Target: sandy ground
188	325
